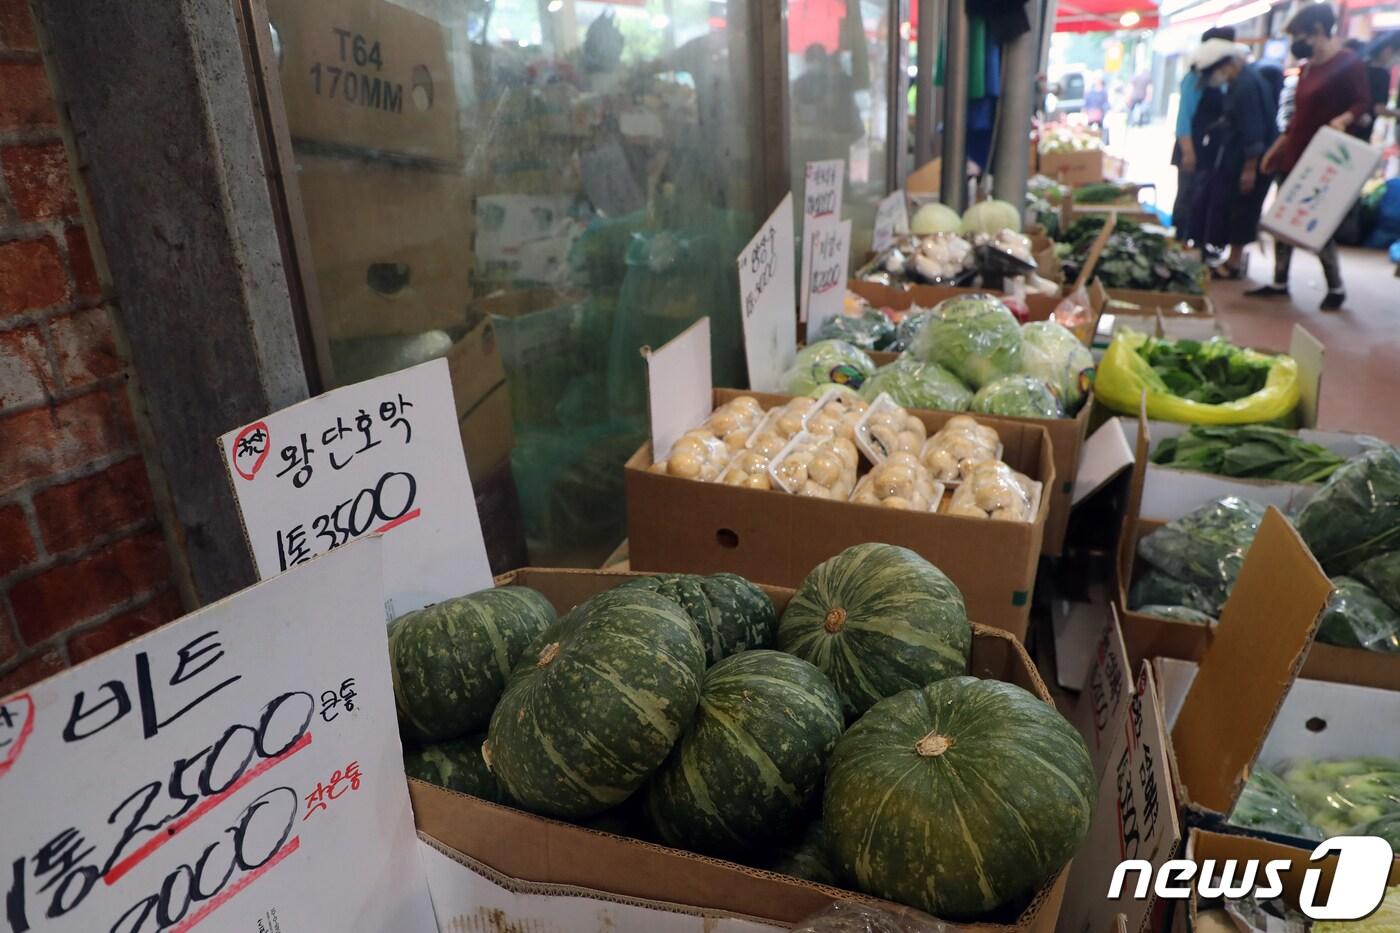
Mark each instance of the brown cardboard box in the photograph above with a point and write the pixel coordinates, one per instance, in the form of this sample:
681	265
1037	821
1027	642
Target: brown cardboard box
390	244
367	74
1066	434
483	401
532	849
682	525
1074	168
1137	302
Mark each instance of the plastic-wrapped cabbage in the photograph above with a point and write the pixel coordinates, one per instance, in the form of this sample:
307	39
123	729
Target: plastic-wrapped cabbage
908	328
913	384
1339	796
1205	548
1357	618
1051	353
827	362
1177	614
870	330
1356	514
1018	397
975	337
935	218
1156	589
1267	804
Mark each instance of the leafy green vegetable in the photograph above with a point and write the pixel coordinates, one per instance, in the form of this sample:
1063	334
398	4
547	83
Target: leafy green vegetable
1177	614
1254	451
1388	828
1205	549
1133	257
975	337
1018	397
1356	514
871	330
1211	372
1156	589
1104	192
828	361
1267	804
1338	796
913	384
1382	574
1357	618
1051	353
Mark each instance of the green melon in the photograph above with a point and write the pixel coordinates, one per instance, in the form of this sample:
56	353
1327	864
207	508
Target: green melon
878	619
596	704
750	765
958	798
731	613
807	859
450	661
456	765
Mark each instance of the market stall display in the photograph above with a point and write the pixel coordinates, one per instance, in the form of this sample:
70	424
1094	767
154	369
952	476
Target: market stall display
1133	257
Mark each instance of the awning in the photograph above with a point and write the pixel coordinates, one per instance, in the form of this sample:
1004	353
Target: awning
1104	15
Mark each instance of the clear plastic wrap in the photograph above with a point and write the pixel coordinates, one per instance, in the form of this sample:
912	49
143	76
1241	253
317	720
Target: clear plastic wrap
748	468
827	362
913	322
1357	618
1018	396
1177	613
939	258
993	490
1267	804
957	446
867	328
1356	514
734	421
901	482
886	428
852	917
814	466
837	413
914	384
1051	353
1339	796
780	426
698	455
975	337
1155	588
1205	548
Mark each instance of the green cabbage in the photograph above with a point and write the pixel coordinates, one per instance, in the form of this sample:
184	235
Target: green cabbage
1051	353
1357	618
935	218
975	337
918	385
827	362
1018	397
991	217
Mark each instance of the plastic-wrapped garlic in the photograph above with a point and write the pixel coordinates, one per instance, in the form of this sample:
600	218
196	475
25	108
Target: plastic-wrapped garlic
814	466
901	482
698	455
960	444
749	469
888	429
994	490
734	421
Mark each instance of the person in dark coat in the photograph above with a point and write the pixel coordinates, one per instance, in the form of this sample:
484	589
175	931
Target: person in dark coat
1248	125
1198	108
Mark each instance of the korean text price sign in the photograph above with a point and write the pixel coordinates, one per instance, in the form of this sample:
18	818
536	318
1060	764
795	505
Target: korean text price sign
239	770
381	456
768	300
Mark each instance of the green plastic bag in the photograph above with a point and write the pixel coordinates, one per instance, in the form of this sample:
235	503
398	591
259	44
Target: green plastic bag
1123	376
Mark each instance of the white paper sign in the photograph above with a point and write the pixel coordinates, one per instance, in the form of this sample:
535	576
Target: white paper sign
1106	694
1135	819
1316	195
679	386
891	220
767	298
380	456
823	188
826	273
239	770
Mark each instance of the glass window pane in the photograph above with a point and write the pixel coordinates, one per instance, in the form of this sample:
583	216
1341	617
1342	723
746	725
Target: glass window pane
543	186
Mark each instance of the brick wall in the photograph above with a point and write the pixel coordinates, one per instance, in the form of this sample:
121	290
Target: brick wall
83	565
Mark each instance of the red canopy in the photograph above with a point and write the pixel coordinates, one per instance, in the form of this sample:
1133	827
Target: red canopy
1103	15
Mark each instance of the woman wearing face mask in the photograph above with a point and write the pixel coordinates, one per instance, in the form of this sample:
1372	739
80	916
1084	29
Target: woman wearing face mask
1332	91
1234	195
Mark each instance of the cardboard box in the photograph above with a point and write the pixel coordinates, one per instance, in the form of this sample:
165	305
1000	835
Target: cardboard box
390	244
1074	168
367	74
682	525
521	850
1315	197
483	400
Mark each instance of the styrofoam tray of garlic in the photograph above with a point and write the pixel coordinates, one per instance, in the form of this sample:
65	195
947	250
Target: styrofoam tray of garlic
993	490
901	482
956	447
886	429
815	466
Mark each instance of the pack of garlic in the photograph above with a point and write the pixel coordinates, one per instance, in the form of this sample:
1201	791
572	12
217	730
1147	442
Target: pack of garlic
815	466
748	468
698	455
887	429
991	489
780	425
837	413
901	482
734	421
957	446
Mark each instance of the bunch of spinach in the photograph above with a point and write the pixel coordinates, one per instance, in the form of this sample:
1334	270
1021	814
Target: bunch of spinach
1254	451
1211	372
1198	556
1133	257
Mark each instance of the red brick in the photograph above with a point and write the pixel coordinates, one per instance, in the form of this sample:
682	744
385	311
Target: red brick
31	672
41	186
9	640
111	634
17	26
47	441
16	546
75	513
31	275
24	96
85	347
24	368
58	599
80	261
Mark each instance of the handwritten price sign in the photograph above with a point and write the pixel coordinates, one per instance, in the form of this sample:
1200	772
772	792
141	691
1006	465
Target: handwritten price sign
768	300
167	785
828	262
378	457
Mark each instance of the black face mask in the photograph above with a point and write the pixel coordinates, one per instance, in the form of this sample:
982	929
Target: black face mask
1301	48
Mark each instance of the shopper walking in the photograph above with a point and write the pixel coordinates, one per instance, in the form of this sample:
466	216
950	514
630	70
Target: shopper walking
1332	91
1198	107
1233	195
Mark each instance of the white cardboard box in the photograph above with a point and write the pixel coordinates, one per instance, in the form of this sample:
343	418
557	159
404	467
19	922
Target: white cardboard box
1322	187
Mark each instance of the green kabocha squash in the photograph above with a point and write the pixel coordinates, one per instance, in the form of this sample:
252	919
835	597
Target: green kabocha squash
596	704
877	619
456	765
807	859
750	765
957	798
450	661
731	613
